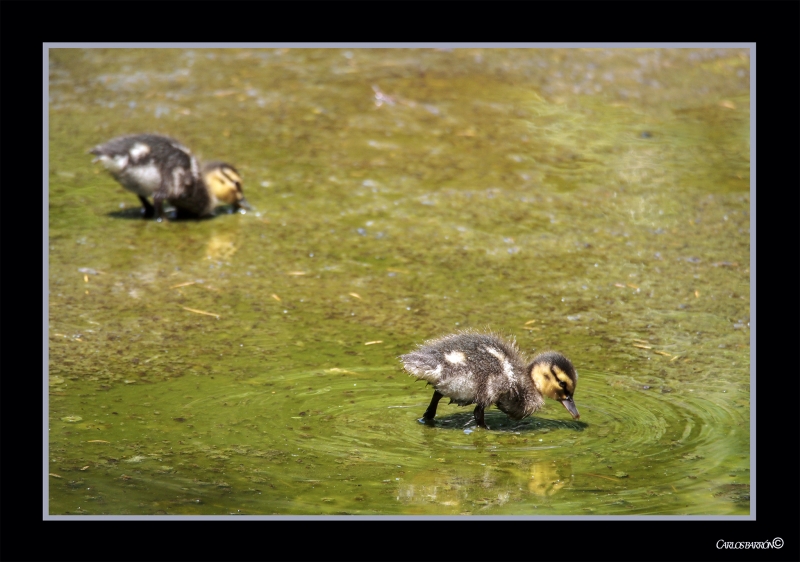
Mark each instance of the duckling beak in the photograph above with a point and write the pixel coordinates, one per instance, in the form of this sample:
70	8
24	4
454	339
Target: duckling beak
569	404
243	203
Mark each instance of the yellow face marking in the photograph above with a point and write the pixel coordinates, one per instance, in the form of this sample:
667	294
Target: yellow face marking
225	184
547	380
568	387
233	177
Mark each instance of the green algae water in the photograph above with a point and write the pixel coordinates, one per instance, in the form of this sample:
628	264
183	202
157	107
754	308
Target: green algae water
591	201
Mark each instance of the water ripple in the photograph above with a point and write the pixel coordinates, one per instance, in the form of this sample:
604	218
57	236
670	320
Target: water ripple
636	449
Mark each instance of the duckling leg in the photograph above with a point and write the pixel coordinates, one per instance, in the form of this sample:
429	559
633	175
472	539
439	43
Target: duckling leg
479	417
431	411
158	202
149	210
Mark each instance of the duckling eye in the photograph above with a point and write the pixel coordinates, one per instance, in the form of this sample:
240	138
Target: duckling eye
562	384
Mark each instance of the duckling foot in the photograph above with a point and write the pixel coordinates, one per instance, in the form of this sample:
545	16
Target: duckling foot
479	417
158	204
148	211
430	413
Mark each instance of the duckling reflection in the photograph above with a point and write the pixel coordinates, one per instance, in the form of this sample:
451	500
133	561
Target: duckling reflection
454	493
548	478
472	367
221	247
430	487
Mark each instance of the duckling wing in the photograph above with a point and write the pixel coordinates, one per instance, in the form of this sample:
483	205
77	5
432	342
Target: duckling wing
423	365
449	374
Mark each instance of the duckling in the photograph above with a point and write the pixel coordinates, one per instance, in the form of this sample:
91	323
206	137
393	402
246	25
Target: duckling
479	368
161	167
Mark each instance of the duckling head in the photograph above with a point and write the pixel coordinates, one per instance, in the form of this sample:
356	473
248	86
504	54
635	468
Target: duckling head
225	184
554	376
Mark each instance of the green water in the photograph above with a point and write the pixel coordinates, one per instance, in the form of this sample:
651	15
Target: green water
592	201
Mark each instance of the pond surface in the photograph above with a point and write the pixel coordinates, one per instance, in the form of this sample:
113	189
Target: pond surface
596	202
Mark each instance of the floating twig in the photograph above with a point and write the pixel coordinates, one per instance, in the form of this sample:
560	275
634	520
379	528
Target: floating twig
209	288
200	311
601	476
338	370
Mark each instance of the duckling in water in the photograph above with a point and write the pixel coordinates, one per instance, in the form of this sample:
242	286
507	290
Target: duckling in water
161	167
483	369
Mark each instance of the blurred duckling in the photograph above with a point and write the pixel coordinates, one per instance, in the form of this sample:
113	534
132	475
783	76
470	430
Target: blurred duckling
481	368
160	167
